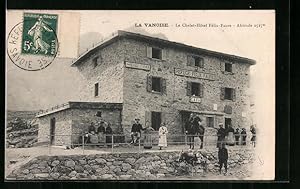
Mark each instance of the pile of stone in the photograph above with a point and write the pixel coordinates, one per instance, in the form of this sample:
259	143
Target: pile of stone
123	166
21	133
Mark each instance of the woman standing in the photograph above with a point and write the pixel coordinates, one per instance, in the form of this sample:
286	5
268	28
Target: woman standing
162	133
148	137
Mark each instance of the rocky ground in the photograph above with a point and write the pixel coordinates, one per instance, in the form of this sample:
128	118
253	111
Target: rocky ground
21	129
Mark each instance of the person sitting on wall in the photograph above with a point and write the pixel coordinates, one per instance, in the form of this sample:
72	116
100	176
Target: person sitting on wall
92	128
101	133
108	132
136	131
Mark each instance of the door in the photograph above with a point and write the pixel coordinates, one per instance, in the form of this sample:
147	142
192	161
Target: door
227	122
155	120
185	115
52	130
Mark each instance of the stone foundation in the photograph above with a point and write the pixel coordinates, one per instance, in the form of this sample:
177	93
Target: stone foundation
123	166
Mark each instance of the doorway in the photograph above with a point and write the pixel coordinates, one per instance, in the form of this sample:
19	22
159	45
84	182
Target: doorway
52	130
155	120
210	122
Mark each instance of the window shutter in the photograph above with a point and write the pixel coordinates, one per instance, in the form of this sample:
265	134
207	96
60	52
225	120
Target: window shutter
147	118
188	88
233	68
163	84
163	54
233	95
149	83
190	61
222	95
201	90
149	52
222	67
201	63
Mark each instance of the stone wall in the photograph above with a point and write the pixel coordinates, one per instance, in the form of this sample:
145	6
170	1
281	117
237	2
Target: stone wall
138	102
109	75
124	166
62	127
75	122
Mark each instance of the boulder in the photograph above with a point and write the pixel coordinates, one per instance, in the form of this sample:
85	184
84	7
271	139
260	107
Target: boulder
70	163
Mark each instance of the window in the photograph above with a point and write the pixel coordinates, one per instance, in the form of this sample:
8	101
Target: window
209	121
195	61
228	67
195	89
156	53
96	89
155	120
156	84
95	61
228	93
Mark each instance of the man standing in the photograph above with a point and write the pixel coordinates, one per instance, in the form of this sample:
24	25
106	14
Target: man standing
190	131
221	135
237	136
244	136
223	157
136	131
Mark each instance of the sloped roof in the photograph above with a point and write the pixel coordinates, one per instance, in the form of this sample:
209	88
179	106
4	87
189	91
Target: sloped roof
145	38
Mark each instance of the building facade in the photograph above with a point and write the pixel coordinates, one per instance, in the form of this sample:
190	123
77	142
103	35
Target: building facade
159	81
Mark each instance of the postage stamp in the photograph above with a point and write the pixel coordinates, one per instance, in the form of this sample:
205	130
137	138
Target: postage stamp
39	34
32	44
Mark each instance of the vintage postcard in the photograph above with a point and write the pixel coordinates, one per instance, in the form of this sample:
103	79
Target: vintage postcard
140	95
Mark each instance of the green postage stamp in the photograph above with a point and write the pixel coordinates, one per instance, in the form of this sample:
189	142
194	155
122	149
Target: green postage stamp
39	34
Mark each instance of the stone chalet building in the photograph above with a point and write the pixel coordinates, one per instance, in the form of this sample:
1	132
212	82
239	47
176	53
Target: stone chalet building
135	76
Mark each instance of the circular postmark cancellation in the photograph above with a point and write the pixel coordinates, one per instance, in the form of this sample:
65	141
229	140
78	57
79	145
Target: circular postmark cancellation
32	45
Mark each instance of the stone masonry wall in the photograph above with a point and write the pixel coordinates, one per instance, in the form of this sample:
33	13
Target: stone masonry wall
109	75
62	127
81	120
137	101
74	122
125	166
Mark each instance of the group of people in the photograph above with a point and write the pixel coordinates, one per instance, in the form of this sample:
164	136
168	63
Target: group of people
99	133
137	128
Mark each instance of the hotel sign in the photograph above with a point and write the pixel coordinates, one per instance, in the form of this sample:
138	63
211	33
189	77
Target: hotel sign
195	74
195	99
138	66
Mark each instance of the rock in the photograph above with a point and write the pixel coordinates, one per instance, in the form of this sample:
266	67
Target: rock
159	175
54	175
55	163
130	160
107	176
81	175
93	177
82	161
245	161
117	170
26	171
41	175
73	174
126	166
125	177
70	163
140	160
100	160
78	169
117	163
33	166
35	171
109	163
95	167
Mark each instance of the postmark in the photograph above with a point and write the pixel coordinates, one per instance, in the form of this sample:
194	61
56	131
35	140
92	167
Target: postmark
32	45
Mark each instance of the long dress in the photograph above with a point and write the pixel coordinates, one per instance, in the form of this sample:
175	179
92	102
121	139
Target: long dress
162	133
101	134
230	136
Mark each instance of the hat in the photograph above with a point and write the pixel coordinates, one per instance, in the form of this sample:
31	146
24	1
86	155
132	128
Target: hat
220	124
